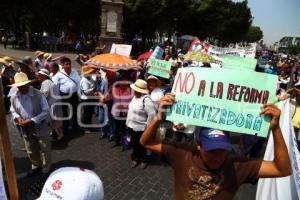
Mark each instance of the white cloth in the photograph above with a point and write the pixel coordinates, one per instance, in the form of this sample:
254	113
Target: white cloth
12	91
87	86
49	89
64	82
23	103
140	114
189	129
287	188
156	95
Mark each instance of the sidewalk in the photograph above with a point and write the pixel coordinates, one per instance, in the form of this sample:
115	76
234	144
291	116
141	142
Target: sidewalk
19	54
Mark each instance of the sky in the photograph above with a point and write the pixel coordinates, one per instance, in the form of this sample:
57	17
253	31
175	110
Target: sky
277	18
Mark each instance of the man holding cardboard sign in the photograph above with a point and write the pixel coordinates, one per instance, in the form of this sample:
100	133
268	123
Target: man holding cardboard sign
209	171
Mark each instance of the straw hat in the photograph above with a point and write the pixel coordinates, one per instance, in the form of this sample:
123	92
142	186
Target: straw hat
39	53
21	79
87	69
7	61
140	86
152	77
44	72
47	56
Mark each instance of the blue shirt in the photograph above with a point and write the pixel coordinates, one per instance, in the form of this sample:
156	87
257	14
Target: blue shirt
68	84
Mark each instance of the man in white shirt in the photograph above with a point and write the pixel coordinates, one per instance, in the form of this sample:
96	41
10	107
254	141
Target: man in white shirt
87	91
30	112
67	81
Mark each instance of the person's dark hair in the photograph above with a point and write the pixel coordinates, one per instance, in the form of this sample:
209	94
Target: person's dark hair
55	65
206	64
64	60
258	69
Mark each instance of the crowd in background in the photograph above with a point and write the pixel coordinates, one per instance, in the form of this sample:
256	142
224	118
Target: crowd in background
121	104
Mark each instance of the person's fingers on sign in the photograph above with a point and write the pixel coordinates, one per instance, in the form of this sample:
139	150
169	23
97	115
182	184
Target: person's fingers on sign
274	112
167	100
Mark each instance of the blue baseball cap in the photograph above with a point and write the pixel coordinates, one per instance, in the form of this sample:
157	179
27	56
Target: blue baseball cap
211	139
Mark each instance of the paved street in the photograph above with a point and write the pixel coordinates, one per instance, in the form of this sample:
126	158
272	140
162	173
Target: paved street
19	54
112	165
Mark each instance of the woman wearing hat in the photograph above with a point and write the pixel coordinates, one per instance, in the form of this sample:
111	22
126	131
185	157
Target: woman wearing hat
47	60
38	63
155	92
7	74
50	91
87	90
141	110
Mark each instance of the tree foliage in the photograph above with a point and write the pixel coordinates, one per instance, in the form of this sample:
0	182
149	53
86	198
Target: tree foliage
219	19
294	49
52	16
254	34
224	20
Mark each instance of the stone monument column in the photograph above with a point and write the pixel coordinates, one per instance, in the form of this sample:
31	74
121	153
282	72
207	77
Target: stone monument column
111	23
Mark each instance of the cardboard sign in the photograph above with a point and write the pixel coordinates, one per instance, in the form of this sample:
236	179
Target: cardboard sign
157	53
121	49
223	99
236	62
159	68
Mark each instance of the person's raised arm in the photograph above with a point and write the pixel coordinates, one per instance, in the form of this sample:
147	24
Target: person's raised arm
148	139
281	165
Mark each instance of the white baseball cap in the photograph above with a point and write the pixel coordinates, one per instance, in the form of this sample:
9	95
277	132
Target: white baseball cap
72	183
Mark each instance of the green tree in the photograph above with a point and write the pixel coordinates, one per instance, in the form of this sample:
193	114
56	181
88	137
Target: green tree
254	34
294	49
220	19
52	16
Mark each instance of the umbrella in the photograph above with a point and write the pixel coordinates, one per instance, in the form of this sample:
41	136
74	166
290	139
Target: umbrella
199	57
145	55
113	62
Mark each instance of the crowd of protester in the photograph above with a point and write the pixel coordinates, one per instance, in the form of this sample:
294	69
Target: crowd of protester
123	105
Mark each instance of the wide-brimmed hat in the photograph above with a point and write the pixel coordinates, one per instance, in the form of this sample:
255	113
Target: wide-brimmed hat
88	69
140	86
21	79
22	62
39	53
44	72
6	60
47	56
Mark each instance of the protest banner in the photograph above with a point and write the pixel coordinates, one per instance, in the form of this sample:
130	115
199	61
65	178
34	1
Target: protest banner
236	62
159	68
121	49
287	188
224	99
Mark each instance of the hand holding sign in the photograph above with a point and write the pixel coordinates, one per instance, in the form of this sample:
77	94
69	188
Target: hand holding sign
165	101
270	109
